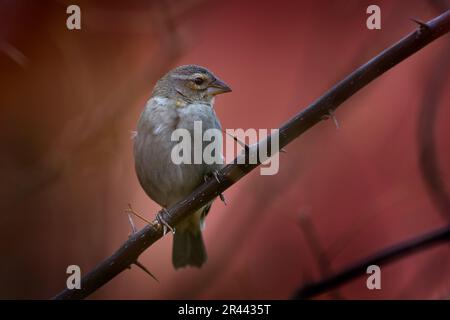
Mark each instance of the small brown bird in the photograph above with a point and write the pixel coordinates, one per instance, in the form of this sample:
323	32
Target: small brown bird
182	96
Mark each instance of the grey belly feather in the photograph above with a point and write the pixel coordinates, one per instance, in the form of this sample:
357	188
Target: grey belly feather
163	181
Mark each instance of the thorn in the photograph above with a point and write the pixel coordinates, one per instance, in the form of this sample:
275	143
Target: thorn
140	265
222	197
283	150
133	227
331	115
422	25
242	144
130	210
216	174
336	123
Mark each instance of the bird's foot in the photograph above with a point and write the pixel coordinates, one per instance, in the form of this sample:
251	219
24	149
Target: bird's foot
164	223
216	174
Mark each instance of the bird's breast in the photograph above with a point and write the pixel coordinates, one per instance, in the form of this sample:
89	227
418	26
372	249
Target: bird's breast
162	179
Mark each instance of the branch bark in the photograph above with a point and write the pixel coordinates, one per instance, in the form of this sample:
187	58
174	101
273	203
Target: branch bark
385	256
128	253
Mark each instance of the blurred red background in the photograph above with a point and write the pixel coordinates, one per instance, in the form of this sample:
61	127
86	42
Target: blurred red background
69	100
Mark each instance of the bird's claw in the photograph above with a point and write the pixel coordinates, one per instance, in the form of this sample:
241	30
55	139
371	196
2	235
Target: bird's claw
164	223
216	174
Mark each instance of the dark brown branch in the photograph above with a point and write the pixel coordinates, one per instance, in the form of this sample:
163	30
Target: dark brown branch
312	238
128	253
385	256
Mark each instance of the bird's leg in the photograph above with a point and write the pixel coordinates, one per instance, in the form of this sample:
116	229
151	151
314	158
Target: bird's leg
331	115
158	217
163	222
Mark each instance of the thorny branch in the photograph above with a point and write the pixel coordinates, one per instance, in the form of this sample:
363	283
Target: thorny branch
385	256
128	253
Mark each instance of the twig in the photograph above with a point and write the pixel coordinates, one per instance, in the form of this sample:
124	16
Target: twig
385	256
310	233
230	174
312	237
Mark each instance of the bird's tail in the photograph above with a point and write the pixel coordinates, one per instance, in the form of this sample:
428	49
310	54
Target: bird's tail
188	247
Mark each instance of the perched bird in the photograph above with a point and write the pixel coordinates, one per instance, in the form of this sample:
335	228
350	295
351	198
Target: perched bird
182	96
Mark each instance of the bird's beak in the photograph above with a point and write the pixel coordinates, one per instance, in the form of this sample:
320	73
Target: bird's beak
218	87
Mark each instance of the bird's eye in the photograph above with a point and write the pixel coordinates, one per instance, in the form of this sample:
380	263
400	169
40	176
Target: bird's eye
199	81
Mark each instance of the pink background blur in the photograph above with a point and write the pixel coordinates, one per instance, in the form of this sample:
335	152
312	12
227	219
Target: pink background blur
69	100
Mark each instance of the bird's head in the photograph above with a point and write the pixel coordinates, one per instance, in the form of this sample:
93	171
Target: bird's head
190	83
